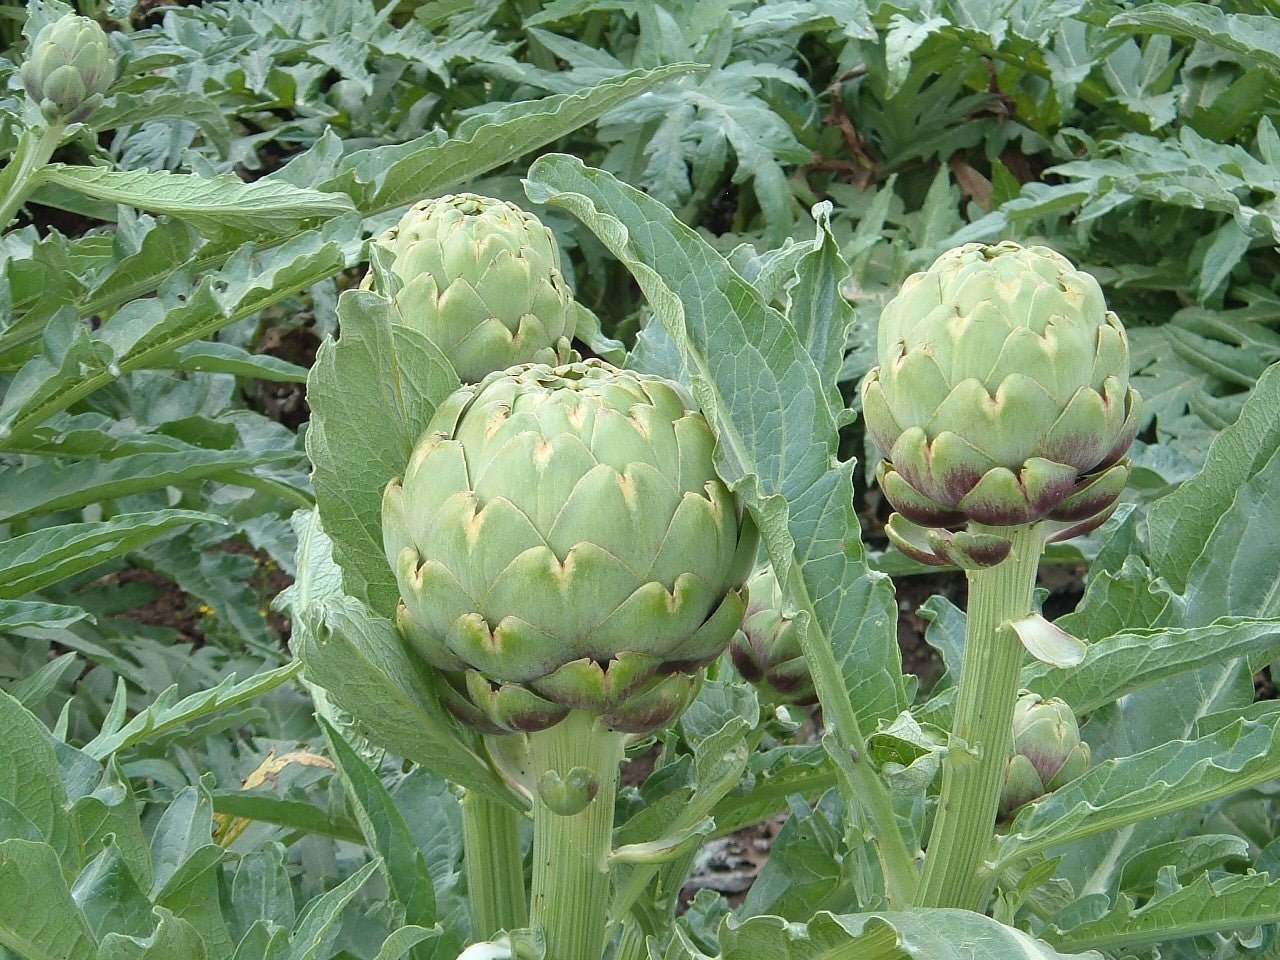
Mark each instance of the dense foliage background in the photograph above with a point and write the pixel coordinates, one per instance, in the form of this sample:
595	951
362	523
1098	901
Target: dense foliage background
154	347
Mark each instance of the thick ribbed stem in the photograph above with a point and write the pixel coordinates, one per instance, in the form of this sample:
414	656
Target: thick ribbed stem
495	869
571	853
973	770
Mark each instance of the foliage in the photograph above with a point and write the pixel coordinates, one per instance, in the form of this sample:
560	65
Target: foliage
737	188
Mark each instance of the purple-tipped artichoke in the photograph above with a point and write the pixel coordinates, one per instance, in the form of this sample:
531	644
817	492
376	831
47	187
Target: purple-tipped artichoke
1002	398
562	541
1047	752
482	279
767	649
69	69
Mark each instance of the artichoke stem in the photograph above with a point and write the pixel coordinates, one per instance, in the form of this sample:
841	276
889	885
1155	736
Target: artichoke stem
33	153
571	853
495	868
973	770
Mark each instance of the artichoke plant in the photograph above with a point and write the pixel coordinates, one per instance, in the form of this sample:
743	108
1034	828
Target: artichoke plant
1002	398
481	278
1047	751
766	651
69	69
562	542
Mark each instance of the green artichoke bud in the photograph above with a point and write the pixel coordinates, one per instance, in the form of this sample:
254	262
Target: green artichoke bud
69	69
767	649
1047	751
1002	398
562	541
481	278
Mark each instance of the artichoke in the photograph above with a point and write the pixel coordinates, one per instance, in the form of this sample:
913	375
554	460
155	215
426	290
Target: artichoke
1047	751
766	651
481	278
1002	397
69	69
561	541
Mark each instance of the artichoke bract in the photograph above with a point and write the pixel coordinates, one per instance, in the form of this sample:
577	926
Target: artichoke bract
481	278
69	69
1002	397
1047	751
562	542
767	651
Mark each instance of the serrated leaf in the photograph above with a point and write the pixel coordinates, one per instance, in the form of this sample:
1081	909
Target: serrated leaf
206	356
1122	664
1249	36
317	927
1174	776
167	712
1203	907
16	614
171	938
1180	524
50	486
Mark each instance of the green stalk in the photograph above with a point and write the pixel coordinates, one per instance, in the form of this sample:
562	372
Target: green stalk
878	818
495	869
33	152
973	770
571	853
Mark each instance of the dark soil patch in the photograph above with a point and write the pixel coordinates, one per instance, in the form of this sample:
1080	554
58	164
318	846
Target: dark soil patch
168	607
731	864
286	403
171	607
917	656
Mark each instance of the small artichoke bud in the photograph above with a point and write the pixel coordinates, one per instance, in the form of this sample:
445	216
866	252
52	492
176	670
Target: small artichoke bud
69	69
562	542
766	651
1001	398
481	278
1047	751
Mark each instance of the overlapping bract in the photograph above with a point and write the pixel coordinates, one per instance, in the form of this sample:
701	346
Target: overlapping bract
69	69
482	279
1047	751
562	541
1002	397
767	651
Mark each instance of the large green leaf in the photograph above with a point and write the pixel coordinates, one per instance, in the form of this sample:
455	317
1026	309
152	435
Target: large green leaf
38	918
364	668
29	779
210	204
371	394
385	832
1130	661
920	934
1207	906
